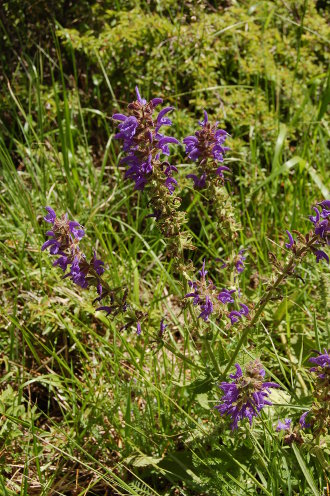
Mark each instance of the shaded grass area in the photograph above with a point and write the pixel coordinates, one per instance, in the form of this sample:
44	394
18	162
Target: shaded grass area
87	408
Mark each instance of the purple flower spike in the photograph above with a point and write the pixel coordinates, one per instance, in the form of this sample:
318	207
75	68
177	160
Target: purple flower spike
291	241
245	395
138	328
284	426
143	144
206	148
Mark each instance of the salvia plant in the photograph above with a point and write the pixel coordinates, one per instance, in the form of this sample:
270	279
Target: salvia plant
145	152
146	155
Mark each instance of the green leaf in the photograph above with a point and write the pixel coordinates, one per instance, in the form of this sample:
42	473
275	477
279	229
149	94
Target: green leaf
203	400
305	471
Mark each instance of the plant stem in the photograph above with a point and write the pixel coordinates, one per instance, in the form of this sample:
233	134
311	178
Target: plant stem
265	299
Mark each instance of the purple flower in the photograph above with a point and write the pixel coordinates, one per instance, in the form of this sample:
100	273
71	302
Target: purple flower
63	262
321	221
78	233
55	246
302	421
220	171
291	241
239	263
203	272
163	121
127	129
225	296
246	394
325	204
106	309
164	142
199	182
316	218
51	216
194	294
162	327
98	265
138	329
65	237
170	184
320	254
323	364
138	96
284	426
77	275
234	316
322	228
206	148
207	309
244	309
143	143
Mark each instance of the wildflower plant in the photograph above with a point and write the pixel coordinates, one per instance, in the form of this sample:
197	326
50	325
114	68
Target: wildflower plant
246	394
206	148
209	299
64	243
318	417
145	150
222	305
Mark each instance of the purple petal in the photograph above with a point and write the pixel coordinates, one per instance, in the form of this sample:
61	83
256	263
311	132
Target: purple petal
119	117
291	240
51	216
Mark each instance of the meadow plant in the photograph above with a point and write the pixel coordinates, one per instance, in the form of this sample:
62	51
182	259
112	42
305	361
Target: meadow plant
209	299
64	243
206	148
244	394
318	417
144	148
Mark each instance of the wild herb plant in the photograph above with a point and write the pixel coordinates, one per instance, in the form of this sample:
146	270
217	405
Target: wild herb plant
246	394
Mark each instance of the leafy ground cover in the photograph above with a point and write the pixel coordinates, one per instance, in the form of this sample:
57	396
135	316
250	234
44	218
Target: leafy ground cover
86	406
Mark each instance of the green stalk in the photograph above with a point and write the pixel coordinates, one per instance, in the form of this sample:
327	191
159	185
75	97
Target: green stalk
265	299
